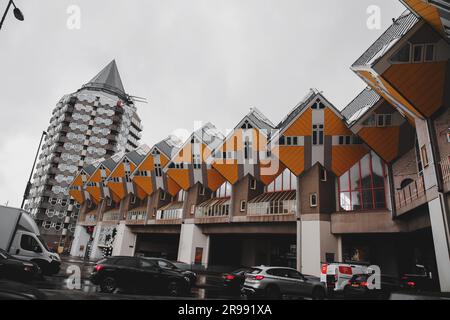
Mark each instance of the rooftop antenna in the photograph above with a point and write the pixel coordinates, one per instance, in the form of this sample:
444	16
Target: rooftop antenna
139	99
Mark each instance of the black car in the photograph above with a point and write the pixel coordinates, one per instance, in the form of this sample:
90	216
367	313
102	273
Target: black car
138	275
419	280
234	281
176	266
15	269
10	290
358	287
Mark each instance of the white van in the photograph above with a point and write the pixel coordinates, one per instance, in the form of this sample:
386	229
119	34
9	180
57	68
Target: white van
336	276
20	237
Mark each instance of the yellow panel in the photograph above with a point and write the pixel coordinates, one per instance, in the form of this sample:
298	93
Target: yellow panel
277	169
389	94
228	170
344	157
215	180
428	12
376	138
421	83
302	126
172	187
181	177
335	126
293	158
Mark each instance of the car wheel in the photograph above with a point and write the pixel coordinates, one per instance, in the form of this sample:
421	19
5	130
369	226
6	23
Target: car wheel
318	294
273	293
346	293
108	285
174	288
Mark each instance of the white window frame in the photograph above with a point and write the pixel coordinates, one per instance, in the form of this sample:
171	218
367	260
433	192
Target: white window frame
311	203
253	184
243	205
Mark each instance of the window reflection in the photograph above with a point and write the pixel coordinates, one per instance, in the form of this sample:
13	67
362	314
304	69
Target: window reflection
363	186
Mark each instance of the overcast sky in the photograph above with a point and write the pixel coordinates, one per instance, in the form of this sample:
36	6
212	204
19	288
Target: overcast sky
194	60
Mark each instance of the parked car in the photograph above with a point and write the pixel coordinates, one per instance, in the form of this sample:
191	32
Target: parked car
10	290
234	280
138	275
15	269
176	266
336	276
358	287
420	280
275	282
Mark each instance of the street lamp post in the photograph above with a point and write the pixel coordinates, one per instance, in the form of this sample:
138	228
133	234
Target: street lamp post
17	13
28	187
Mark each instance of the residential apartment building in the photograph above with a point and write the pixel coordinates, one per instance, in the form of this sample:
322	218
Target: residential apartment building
97	121
369	183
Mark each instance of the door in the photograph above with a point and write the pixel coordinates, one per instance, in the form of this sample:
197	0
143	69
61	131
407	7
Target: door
281	278
151	276
127	274
300	285
27	248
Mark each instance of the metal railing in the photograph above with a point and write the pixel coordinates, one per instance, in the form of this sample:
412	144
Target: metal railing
137	215
222	210
111	216
171	214
445	168
276	207
412	192
90	218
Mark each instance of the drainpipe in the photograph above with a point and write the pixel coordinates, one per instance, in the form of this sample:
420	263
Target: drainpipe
392	191
299	227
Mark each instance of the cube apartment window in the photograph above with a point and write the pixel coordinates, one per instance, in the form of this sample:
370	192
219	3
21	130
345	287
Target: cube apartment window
243	205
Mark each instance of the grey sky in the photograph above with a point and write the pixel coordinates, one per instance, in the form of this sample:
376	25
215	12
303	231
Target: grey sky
194	60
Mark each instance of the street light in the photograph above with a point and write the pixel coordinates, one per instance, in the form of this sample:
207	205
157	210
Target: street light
28	187
17	13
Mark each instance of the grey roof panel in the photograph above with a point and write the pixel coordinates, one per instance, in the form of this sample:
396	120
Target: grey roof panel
298	109
360	105
396	31
108	79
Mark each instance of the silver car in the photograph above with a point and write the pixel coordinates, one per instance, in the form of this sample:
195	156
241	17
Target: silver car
275	282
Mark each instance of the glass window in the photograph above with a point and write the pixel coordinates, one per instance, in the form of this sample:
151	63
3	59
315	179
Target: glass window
363	186
29	243
403	55
418	53
127	262
429	54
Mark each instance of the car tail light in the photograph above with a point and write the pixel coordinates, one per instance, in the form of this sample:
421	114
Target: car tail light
345	270
259	278
364	284
324	269
229	277
411	284
99	267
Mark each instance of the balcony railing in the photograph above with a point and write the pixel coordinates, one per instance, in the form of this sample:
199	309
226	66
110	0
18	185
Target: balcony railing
90	218
445	168
213	208
111	216
278	203
172	211
410	193
137	215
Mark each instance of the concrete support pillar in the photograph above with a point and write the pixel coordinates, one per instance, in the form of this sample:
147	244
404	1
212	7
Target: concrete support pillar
125	241
441	238
191	240
80	242
96	253
299	226
317	241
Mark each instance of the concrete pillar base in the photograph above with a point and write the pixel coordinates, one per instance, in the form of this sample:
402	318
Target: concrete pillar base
192	242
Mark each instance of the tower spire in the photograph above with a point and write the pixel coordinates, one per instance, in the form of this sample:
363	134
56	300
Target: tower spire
108	79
